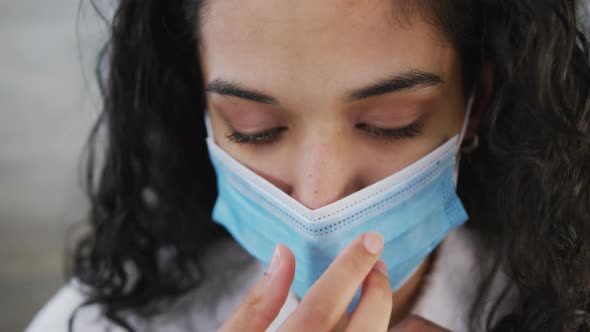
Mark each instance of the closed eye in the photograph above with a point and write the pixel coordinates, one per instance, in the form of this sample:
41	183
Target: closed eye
269	136
409	131
264	137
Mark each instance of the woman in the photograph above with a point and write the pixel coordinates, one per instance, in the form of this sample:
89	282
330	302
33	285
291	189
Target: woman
313	110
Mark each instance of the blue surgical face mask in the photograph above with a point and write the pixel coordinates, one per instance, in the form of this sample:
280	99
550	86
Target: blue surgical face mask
413	209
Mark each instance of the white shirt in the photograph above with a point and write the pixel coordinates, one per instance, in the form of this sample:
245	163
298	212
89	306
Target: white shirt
446	297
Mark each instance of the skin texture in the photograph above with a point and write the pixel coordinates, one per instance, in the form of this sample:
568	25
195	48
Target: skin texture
308	58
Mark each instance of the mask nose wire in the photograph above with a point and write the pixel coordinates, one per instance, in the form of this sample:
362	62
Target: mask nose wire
462	133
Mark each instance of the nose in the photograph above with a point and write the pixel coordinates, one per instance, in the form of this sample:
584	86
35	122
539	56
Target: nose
325	171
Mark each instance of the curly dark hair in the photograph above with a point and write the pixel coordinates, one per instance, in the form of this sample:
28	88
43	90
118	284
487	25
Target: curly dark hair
527	188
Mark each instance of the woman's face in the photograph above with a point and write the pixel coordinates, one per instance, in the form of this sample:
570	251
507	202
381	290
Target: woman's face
323	98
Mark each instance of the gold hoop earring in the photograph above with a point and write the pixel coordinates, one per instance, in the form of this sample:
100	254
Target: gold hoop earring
470	146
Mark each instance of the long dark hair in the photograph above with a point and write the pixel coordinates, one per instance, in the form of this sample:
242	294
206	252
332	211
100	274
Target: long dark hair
527	187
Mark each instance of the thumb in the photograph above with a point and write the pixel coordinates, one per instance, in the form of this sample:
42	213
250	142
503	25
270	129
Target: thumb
266	298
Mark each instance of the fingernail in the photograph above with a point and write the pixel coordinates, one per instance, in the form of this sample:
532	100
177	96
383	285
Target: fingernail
275	262
381	267
373	242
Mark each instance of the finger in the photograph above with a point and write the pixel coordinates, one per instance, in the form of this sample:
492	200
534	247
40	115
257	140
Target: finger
266	298
374	308
328	298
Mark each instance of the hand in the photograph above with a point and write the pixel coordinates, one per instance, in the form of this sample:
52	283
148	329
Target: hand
325	303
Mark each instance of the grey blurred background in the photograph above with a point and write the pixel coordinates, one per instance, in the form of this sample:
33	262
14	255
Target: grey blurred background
48	101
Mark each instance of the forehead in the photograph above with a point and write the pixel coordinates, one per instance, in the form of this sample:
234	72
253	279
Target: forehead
280	43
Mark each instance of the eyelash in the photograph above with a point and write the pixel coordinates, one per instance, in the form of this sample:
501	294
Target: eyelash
270	136
257	139
408	131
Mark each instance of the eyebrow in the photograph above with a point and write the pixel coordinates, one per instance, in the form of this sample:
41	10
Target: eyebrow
410	80
229	88
396	83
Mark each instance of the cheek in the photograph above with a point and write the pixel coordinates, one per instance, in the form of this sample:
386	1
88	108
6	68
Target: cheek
444	123
384	161
266	161
220	132
387	159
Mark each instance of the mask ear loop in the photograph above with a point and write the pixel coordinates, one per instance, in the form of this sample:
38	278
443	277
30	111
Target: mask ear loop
208	125
461	137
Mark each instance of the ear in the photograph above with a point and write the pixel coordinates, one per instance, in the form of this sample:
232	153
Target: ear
484	90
